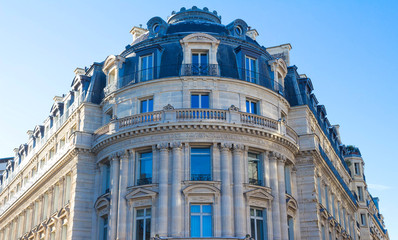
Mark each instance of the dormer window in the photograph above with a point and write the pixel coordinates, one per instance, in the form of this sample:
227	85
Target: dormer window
112	77
200	63
251	69
146	68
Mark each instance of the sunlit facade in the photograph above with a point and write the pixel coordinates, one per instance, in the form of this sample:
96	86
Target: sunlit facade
193	131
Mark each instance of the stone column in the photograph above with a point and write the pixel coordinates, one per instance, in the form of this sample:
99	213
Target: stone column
123	181
115	167
163	189
176	204
276	218
282	197
226	191
297	232
239	205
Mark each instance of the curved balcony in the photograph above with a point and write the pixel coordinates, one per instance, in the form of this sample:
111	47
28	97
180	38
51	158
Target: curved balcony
214	70
171	115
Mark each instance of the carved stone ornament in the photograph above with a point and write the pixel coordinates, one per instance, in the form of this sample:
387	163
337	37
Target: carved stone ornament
233	108
168	107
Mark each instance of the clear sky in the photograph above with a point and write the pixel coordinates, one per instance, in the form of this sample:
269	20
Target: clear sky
347	48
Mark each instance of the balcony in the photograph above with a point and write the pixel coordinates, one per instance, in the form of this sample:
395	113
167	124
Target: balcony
255	181
184	115
213	70
201	177
144	181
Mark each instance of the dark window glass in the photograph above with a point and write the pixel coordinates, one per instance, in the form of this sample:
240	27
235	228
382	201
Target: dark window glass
143	224
199	100
200	164
146	105
144	168
201	221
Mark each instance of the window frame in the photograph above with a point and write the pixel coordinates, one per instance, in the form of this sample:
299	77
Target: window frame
148	105
202	69
210	177
249	102
249	72
147	70
256	218
201	214
138	179
200	104
144	218
260	167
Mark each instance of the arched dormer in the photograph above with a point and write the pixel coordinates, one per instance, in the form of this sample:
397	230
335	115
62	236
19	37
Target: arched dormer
200	54
278	66
111	68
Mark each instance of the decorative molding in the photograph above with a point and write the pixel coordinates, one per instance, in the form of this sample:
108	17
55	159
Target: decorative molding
233	108
168	107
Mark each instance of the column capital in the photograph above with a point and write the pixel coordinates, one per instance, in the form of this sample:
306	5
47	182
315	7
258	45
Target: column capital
163	146
226	146
239	147
176	145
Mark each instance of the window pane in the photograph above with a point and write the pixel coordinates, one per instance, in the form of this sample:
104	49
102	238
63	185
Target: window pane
144	106
248	106
195	226
195	59
140	229
253	107
205	101
150	104
140	213
206	208
148	229
259	213
148	212
195	208
251	212
260	230
200	164
253	228
149	61
195	101
207	226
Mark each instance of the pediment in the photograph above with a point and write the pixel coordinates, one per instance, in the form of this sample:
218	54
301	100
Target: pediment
259	193
112	60
141	193
199	38
201	189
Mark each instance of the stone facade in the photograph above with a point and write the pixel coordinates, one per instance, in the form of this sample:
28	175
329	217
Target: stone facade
193	131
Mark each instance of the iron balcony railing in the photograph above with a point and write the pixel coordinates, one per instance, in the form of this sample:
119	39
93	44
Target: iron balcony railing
255	181
216	70
144	181
201	177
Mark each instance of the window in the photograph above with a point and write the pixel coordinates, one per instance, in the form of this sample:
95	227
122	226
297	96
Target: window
327	198
290	225
67	189
104	228
258	223
144	168
200	64
201	221
251	69
146	67
200	100
55	199
255	166
200	164
106	178
112	77
143	224
319	190
251	106
333	207
363	219
356	166
146	105
360	193
288	183
45	206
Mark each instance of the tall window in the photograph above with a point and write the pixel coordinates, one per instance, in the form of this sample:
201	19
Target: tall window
360	193
363	219
333	207
106	178
54	206
319	190
327	198
356	168
146	68
200	64
290	225
143	224
144	168
200	164
67	189
146	105
258	223
251	69
251	106
288	183
255	166
201	220
200	100
104	228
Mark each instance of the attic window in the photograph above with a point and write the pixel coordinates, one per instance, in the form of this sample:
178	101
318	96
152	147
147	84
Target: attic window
238	30
112	77
156	28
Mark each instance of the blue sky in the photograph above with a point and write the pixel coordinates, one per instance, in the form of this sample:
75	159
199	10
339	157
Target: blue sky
347	48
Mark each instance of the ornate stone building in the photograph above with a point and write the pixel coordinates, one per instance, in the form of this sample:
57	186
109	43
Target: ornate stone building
193	131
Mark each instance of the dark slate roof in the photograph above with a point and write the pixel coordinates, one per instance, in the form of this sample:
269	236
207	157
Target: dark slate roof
197	26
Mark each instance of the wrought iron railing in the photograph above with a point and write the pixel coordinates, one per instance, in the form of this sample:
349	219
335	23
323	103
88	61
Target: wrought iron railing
201	177
255	181
144	181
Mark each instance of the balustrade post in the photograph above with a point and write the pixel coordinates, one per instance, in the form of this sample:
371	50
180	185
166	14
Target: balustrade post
233	115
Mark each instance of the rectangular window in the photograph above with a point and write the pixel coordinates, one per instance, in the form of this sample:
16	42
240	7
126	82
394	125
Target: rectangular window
45	206
251	69
288	183
106	181
200	100
360	193
356	167
255	166
290	224
146	68
201	221
251	106
144	168
104	228
258	223
146	105
333	207
55	199
67	189
200	164
143	224
327	198
200	64
319	190
363	219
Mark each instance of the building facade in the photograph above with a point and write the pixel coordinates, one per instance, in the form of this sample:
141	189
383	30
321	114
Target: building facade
193	131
